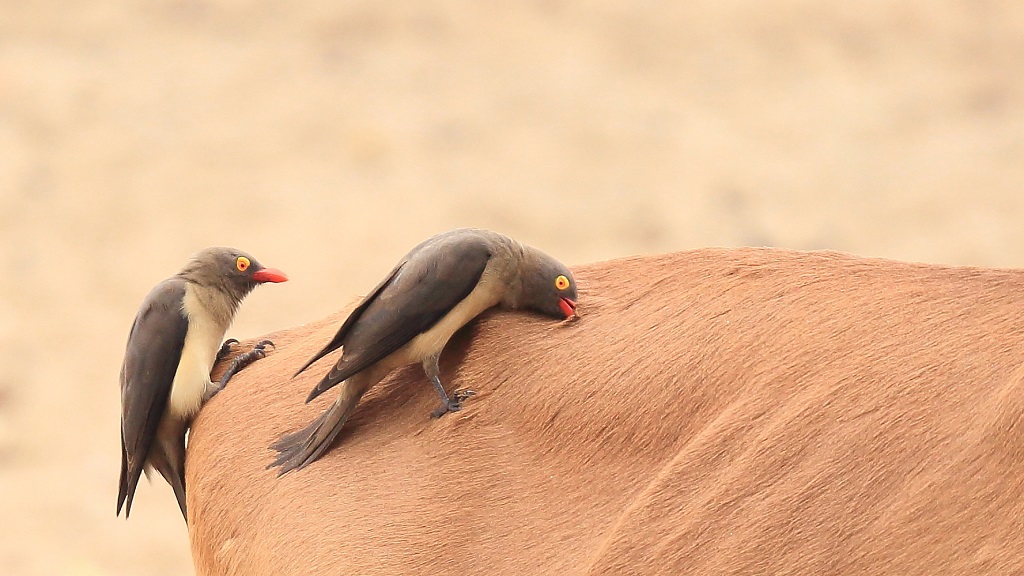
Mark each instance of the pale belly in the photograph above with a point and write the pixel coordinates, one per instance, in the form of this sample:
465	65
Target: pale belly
433	340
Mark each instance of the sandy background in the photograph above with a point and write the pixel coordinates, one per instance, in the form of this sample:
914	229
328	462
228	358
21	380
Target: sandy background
328	137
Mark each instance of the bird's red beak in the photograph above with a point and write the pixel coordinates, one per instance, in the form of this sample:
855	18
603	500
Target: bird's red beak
269	275
568	307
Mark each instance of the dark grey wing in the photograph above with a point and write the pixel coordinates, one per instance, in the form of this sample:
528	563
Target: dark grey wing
353	317
150	361
421	292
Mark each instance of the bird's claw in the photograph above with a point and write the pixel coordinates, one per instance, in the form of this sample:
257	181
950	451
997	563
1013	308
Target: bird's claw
225	348
460	395
260	349
264	343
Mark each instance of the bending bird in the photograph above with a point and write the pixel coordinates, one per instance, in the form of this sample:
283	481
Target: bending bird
437	288
173	344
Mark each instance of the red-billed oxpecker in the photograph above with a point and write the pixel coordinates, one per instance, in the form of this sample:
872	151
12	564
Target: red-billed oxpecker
437	288
172	346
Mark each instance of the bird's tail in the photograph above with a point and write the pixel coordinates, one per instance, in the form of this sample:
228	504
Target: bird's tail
168	457
299	449
126	487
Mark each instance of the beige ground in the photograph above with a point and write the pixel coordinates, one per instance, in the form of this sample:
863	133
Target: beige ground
328	137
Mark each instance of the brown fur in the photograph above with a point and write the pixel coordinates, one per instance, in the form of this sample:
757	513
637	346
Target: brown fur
749	411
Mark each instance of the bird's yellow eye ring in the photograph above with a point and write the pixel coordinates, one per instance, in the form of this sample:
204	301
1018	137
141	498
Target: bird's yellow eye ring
561	282
242	263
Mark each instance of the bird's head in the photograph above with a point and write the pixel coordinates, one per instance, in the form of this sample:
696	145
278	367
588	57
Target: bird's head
233	271
547	286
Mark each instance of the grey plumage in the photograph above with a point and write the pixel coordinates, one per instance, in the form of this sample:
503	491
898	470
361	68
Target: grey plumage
434	290
172	346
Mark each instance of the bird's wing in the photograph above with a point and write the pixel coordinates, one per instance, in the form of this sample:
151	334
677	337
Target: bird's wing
339	337
418	293
353	317
150	361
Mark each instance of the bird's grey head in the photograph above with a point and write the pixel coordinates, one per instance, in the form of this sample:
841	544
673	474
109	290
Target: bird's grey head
547	286
232	271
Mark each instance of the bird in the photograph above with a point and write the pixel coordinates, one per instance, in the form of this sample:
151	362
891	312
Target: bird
173	344
435	289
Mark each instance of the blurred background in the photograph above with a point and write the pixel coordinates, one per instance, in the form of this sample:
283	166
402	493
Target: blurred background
327	138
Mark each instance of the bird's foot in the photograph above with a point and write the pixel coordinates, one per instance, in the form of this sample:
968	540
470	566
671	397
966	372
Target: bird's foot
242	360
453	404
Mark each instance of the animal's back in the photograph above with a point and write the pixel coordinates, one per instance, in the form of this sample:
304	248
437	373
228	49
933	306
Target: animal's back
714	411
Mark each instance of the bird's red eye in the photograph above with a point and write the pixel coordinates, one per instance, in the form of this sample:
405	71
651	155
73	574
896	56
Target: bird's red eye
242	263
561	282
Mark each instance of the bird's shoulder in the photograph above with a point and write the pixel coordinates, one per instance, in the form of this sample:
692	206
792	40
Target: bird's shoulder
167	296
456	257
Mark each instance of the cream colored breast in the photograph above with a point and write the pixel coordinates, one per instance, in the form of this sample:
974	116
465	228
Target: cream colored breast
197	357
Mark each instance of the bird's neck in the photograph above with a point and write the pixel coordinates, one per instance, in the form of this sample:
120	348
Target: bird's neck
216	304
512	274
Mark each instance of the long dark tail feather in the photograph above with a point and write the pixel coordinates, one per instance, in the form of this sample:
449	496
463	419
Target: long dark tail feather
177	481
168	457
299	449
122	489
179	494
128	483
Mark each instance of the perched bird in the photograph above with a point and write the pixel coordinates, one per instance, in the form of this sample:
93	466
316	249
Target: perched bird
437	288
173	344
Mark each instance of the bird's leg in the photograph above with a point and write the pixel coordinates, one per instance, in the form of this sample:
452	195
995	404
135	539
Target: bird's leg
448	404
238	363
